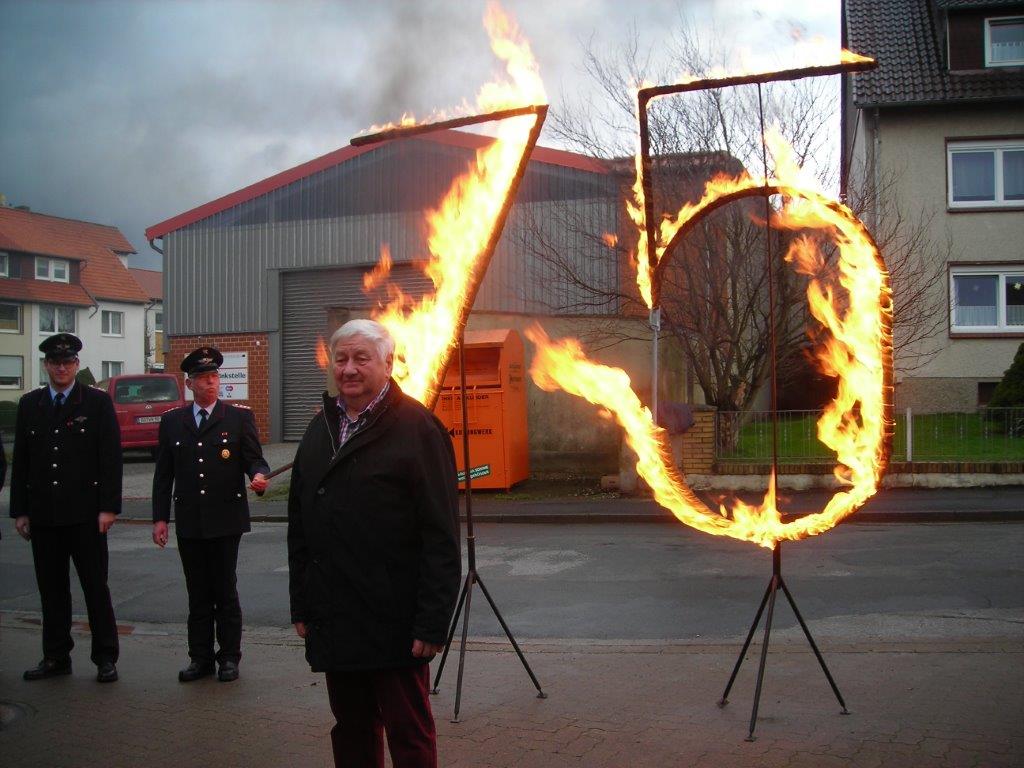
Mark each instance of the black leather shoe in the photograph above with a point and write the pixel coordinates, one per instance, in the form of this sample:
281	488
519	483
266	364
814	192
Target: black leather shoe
194	671
48	668
106	672
228	671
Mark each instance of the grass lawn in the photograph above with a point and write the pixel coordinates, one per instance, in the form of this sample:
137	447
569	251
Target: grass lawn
936	437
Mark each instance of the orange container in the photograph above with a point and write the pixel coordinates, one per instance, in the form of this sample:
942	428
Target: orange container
496	404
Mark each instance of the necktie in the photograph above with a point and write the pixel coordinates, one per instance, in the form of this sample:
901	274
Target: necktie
58	401
202	418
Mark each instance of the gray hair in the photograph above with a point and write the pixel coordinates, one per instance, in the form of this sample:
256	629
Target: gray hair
369	329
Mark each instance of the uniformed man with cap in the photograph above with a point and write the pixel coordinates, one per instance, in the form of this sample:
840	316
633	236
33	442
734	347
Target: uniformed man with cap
205	449
65	495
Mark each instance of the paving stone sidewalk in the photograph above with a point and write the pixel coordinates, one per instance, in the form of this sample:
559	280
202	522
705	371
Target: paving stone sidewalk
913	704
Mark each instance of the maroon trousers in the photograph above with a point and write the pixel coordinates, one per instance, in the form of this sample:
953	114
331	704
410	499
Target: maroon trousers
368	704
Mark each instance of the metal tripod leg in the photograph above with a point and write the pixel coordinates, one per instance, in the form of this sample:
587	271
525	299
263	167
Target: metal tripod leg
462	647
814	647
772	590
451	632
508	634
746	644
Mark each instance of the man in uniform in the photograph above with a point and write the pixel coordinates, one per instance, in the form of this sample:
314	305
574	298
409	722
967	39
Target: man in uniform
65	495
205	449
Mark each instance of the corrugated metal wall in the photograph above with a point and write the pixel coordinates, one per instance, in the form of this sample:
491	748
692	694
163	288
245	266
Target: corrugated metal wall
341	216
313	304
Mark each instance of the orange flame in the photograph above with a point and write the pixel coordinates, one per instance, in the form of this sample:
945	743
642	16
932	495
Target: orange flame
610	239
380	272
459	229
859	352
323	355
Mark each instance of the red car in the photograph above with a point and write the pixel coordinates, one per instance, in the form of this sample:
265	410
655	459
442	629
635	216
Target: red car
139	401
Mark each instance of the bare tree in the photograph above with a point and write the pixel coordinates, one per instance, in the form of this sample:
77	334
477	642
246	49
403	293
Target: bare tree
715	288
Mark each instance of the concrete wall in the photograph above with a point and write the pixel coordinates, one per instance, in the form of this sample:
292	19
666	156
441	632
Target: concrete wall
912	148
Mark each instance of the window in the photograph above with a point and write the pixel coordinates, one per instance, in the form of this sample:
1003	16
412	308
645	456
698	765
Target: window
1004	41
5	270
54	270
113	323
56	319
987	299
112	368
158	321
44	376
11	367
10	318
985	174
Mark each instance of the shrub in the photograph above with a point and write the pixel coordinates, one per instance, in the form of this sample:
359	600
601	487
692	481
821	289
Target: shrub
1009	393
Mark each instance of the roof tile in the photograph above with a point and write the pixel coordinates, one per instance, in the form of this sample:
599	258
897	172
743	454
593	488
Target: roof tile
904	36
103	274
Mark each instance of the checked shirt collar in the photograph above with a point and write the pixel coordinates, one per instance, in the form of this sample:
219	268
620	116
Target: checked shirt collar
346	427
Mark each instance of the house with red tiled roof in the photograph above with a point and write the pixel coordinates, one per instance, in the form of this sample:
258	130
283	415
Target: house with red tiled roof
152	282
58	275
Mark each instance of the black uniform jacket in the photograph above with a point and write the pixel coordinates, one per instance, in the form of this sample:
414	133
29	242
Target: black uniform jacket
66	467
206	471
373	536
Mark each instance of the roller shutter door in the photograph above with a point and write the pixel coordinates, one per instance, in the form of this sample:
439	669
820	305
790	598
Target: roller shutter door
312	304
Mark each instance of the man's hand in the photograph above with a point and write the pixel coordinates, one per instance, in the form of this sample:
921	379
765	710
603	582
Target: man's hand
106	521
424	650
300	629
160	534
22	527
259	483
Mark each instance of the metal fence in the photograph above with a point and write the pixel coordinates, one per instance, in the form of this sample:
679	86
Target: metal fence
984	435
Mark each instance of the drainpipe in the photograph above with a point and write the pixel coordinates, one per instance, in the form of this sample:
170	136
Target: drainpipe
876	171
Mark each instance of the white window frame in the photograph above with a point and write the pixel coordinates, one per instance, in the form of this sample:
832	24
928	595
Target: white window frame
44	375
57	328
997	147
988	42
158	321
51	269
5	264
21	316
1002	272
106	317
21	379
108	371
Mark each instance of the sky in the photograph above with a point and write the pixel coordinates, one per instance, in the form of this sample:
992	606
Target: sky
128	113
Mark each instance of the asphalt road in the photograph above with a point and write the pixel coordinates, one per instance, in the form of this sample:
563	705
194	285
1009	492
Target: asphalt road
635	582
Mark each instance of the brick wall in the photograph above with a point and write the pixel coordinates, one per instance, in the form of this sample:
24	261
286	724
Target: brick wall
698	444
259	367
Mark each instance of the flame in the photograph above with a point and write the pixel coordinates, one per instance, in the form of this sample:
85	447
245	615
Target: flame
461	226
323	355
859	352
849	57
380	272
610	239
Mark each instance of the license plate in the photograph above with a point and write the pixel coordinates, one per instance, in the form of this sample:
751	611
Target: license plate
147	419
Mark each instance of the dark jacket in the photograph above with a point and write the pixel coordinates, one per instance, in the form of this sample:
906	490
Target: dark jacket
373	536
206	471
66	467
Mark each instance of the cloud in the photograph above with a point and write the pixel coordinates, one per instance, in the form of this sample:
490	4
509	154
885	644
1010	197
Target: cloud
131	112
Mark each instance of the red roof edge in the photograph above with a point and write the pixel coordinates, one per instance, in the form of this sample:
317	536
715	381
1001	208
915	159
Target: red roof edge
452	138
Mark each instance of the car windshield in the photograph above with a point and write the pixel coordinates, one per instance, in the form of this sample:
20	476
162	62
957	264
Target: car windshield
145	390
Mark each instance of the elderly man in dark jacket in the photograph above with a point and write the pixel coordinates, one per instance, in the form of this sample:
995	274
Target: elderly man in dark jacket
373	553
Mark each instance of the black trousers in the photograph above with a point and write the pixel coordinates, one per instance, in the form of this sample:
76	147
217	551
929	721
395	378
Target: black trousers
53	548
209	566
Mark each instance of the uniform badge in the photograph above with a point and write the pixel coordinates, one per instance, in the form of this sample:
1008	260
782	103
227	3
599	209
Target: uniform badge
225	454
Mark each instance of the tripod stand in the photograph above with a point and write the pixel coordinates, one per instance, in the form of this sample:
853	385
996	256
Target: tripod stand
774	586
472	577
